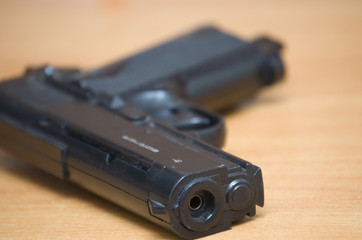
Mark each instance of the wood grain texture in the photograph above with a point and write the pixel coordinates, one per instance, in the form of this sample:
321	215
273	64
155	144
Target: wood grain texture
305	133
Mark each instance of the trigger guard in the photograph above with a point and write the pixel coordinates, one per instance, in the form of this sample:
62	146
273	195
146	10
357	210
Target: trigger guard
198	123
213	132
168	108
214	135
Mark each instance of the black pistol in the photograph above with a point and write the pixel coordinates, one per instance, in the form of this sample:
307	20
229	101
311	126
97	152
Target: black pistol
142	133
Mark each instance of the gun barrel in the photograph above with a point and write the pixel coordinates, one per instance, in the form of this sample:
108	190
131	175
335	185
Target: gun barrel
147	167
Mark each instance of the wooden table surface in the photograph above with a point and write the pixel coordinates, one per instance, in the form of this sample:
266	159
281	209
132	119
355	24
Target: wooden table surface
305	133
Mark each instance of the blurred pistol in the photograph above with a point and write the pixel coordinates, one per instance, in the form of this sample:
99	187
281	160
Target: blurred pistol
140	132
